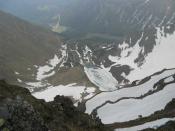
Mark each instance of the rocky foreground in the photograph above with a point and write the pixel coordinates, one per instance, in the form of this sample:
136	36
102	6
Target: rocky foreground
20	111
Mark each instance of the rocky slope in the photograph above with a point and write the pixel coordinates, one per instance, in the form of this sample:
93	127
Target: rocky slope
23	45
20	111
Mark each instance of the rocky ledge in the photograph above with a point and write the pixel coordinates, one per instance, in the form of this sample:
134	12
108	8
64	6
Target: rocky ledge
20	111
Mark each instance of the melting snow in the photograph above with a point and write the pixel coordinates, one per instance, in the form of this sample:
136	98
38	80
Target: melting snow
36	84
70	90
47	70
160	58
169	79
126	59
135	91
130	109
43	70
19	80
152	124
17	73
101	78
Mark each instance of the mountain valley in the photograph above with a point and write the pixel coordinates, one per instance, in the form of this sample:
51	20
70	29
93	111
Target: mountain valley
113	58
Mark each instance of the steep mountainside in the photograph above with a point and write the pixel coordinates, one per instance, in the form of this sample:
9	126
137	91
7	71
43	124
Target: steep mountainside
23	45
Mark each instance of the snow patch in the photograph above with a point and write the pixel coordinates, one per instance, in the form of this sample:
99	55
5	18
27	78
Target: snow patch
43	71
71	90
130	109
19	80
17	73
101	78
152	124
47	70
169	79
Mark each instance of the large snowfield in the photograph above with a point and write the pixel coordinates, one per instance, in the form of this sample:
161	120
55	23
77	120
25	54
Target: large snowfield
134	91
161	57
130	109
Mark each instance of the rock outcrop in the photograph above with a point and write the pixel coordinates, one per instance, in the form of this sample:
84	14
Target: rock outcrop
20	111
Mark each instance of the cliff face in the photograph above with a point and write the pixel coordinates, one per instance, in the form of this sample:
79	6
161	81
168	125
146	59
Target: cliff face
20	111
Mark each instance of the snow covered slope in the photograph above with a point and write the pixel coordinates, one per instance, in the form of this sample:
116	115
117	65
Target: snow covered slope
160	58
77	93
153	124
130	92
130	109
132	102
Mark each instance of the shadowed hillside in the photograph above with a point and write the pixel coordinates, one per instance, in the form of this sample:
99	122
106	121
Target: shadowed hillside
23	45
